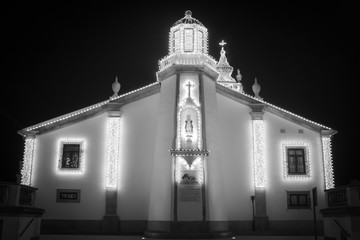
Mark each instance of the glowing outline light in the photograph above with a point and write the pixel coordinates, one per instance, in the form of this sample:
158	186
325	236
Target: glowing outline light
66	171
306	147
112	152
259	154
83	110
26	171
328	163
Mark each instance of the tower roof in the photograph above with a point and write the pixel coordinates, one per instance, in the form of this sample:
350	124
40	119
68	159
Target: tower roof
188	19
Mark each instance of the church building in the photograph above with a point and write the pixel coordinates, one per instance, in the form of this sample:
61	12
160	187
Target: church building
191	154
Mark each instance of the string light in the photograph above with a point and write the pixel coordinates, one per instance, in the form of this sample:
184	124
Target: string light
328	163
306	147
26	170
259	153
87	109
81	168
112	152
282	110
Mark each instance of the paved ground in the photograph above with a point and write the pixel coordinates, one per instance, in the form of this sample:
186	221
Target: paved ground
121	237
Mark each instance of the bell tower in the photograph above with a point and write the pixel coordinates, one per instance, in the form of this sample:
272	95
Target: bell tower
186	200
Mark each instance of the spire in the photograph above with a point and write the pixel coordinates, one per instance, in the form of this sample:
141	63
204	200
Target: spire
223	66
115	87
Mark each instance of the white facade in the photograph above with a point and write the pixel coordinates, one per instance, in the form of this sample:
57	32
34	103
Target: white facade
239	142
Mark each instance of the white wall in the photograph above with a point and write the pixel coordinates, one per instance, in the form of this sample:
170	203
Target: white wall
236	143
137	144
162	177
277	185
91	182
138	128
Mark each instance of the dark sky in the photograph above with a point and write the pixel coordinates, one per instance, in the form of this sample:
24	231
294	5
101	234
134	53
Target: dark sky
62	57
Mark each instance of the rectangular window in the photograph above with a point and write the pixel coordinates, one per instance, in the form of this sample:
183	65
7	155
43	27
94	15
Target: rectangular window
298	199
176	41
71	156
201	41
68	195
188	40
296	161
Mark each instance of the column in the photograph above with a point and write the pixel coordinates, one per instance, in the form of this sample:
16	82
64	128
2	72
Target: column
261	218
110	220
28	159
327	158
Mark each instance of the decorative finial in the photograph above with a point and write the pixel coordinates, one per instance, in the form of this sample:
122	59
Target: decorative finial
256	89
115	87
238	75
188	14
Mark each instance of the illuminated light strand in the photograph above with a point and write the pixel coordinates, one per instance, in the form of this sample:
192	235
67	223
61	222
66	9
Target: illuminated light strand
187	59
328	163
283	110
259	154
112	152
179	135
198	41
26	171
75	113
66	171
235	86
304	145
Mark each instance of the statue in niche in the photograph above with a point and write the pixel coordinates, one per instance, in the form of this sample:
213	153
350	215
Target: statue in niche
189	128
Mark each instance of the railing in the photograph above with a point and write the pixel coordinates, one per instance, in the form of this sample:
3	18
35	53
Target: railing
186	59
12	194
348	195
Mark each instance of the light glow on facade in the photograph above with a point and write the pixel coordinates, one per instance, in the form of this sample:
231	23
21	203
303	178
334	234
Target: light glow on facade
259	154
328	163
26	171
180	130
112	152
81	168
197	165
306	147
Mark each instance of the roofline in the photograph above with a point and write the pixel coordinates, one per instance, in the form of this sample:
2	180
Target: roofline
249	100
90	111
154	88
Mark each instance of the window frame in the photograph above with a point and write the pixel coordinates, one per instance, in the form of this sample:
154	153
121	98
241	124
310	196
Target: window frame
307	163
80	169
289	195
187	36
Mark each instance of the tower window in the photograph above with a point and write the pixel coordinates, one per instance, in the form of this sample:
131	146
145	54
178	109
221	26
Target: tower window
201	41
188	40
176	41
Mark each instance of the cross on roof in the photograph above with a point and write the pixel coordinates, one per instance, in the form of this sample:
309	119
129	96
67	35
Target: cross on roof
189	85
222	43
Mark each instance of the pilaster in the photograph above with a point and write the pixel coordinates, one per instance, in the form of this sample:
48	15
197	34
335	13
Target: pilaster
261	219
110	219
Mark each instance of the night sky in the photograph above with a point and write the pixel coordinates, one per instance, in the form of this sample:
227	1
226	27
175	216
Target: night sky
65	56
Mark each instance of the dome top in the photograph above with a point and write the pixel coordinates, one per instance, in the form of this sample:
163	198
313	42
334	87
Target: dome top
188	19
